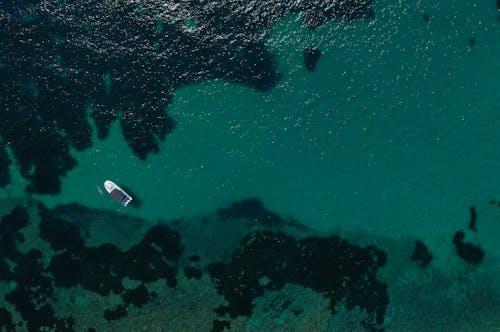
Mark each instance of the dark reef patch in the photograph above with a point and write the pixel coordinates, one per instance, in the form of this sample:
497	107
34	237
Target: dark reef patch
214	237
330	266
6	320
98	269
258	273
65	269
33	288
4	166
220	325
192	272
426	17
421	254
469	252
311	57
62	61
148	261
10	227
137	296
5	273
61	234
123	229
473	219
118	312
194	258
102	269
251	209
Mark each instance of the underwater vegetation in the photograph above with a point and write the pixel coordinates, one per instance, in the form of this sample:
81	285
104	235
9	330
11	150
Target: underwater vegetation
62	62
265	260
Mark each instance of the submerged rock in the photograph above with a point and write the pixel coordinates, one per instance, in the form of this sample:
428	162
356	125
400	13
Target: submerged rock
137	296
118	312
6	320
33	288
421	254
194	258
65	269
311	57
102	269
10	227
4	168
330	266
61	234
252	209
469	252
192	272
473	219
100	226
148	260
220	325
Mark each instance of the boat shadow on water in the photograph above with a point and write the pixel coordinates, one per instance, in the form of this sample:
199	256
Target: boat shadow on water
136	201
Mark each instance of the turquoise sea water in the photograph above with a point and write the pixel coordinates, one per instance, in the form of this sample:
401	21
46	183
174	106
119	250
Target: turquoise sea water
394	133
392	138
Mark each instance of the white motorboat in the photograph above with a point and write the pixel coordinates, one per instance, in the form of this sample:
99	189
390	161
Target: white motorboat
117	193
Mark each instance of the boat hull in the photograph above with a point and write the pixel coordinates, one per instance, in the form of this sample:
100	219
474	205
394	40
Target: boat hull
117	194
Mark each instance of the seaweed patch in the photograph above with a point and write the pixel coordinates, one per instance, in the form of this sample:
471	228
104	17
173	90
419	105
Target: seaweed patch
473	219
330	266
469	252
62	62
251	209
421	254
97	269
267	273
